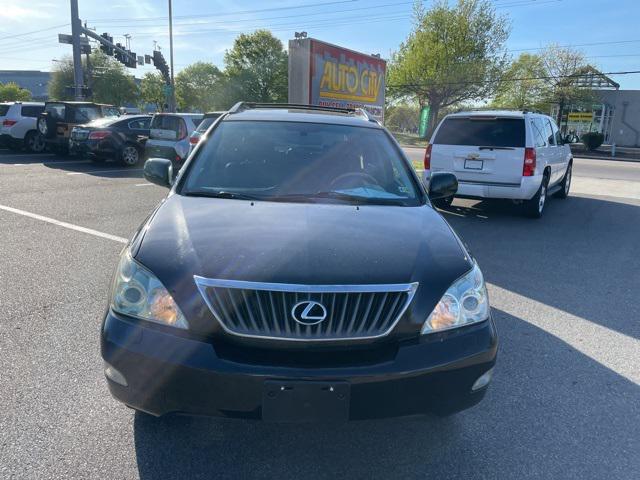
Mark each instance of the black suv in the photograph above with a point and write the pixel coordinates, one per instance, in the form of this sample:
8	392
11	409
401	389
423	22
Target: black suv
59	118
297	272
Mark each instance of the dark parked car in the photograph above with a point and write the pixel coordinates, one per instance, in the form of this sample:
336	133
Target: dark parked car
58	119
297	272
120	138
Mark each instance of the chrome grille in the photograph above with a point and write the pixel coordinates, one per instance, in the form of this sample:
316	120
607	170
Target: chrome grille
265	310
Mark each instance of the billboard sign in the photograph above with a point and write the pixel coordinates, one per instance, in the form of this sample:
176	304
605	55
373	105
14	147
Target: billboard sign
325	74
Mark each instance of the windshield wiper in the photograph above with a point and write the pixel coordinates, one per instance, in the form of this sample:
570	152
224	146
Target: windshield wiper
357	198
221	194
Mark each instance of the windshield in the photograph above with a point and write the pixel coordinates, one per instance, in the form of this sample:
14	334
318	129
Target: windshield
85	114
301	162
206	123
481	131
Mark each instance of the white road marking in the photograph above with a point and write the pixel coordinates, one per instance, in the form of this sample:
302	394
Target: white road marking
70	226
143	184
106	171
53	163
38	155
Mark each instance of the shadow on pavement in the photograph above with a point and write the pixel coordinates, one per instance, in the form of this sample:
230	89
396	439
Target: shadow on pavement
106	169
552	412
581	257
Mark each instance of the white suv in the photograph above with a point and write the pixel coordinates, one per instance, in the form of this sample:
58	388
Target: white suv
169	136
18	125
502	154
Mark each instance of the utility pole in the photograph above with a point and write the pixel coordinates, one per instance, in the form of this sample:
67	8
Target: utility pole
76	30
172	99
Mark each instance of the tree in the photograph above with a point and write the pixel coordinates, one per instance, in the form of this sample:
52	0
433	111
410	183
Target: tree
561	66
523	85
454	54
256	69
200	87
12	92
152	90
106	76
402	118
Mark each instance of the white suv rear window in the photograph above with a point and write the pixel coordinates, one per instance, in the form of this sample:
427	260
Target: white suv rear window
482	132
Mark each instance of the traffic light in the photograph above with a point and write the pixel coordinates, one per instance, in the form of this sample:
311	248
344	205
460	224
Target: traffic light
105	48
161	64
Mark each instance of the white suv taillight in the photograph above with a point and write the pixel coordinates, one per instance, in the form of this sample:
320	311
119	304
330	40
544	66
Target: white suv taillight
529	167
427	157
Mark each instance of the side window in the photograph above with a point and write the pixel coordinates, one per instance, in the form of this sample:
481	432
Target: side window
556	133
57	111
548	132
538	132
139	124
31	111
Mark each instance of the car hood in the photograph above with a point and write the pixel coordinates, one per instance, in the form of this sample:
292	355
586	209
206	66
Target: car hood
302	243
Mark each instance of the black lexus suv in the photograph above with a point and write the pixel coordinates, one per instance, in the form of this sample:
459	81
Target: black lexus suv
296	271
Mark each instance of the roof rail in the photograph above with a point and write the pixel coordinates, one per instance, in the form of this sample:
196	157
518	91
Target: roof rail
241	106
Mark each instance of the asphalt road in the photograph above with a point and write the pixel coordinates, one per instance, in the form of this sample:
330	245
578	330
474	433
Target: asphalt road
565	402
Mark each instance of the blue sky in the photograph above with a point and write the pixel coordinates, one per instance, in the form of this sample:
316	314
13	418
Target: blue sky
204	29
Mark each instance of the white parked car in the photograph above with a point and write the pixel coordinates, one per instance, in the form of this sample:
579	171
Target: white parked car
18	125
516	155
169	136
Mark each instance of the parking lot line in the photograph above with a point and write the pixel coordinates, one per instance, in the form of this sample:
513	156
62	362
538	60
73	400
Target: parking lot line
143	184
106	171
70	226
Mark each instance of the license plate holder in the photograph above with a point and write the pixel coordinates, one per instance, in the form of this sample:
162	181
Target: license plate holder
473	164
305	401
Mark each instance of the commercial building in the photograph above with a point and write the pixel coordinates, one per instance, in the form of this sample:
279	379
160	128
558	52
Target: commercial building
615	113
33	80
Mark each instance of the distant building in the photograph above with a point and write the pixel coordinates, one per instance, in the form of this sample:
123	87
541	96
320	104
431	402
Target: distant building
616	115
33	80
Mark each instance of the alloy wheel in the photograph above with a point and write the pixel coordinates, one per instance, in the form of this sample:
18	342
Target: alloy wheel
130	155
36	143
543	197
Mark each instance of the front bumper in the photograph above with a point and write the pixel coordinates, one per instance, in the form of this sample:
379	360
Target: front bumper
175	373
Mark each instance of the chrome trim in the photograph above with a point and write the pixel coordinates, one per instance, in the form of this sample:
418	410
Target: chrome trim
202	282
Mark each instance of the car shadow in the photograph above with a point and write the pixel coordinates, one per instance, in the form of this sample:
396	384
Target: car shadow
107	169
580	257
551	412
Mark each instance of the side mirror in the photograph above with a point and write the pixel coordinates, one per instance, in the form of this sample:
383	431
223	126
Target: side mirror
159	171
442	185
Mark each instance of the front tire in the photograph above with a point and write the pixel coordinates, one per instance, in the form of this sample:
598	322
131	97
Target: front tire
130	155
565	185
534	208
34	142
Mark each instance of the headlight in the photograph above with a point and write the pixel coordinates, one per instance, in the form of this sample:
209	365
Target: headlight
138	293
465	302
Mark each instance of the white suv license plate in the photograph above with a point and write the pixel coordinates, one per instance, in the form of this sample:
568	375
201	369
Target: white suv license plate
470	164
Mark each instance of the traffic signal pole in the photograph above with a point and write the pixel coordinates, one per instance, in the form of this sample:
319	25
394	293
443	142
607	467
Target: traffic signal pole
76	31
172	99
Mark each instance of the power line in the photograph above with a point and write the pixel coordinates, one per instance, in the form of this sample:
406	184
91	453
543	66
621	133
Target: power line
522	79
220	14
35	31
615	42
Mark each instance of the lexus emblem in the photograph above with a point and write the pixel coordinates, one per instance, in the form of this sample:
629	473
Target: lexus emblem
309	312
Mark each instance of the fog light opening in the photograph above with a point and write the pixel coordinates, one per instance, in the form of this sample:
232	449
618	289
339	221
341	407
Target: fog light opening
483	380
114	375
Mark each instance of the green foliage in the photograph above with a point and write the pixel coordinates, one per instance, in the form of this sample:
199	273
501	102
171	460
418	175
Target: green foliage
12	92
454	54
592	140
152	90
402	118
200	87
256	69
560	64
522	86
107	78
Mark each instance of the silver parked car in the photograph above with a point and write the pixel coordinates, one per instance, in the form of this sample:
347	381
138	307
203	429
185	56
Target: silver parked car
169	136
